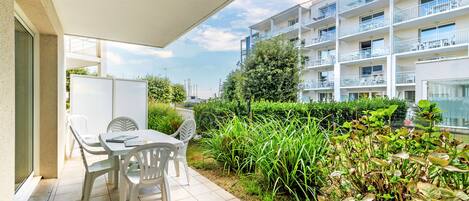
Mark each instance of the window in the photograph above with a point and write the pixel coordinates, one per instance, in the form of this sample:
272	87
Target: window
326	76
369	71
452	98
325	97
369	18
327	10
326	54
364	95
327	31
437	33
372	47
409	96
293	22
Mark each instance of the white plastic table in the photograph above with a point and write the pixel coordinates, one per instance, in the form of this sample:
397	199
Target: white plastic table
119	150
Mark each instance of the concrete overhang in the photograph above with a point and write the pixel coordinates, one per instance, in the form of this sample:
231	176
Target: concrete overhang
153	23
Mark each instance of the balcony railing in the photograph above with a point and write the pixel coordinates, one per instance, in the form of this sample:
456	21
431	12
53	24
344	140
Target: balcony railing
330	12
320	62
356	81
261	37
285	29
405	77
324	38
352	4
438	40
364	54
313	84
83	46
427	9
366	26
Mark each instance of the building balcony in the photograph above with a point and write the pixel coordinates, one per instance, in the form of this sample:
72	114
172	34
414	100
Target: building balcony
350	8
321	41
327	18
285	30
261	36
366	29
364	54
405	78
362	81
316	85
81	46
430	10
440	42
322	62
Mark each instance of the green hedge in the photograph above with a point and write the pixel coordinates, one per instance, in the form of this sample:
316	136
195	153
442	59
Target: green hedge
163	118
208	115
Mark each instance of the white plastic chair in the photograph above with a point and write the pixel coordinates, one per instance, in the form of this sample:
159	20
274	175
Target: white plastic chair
93	170
185	132
153	161
80	124
122	124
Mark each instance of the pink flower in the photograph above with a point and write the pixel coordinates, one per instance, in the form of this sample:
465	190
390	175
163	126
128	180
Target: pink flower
407	122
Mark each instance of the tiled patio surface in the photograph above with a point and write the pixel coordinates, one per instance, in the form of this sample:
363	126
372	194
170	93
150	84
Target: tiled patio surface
69	185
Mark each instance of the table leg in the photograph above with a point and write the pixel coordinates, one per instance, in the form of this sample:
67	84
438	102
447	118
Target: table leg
117	164
122	185
110	175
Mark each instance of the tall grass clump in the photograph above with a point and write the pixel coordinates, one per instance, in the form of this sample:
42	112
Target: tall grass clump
231	145
163	118
290	158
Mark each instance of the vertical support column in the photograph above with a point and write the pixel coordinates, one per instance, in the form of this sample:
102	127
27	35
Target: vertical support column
272	27
337	69
7	102
300	23
250	38
102	68
391	60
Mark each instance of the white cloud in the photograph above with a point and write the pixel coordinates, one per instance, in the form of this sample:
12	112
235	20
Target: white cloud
114	58
143	50
216	39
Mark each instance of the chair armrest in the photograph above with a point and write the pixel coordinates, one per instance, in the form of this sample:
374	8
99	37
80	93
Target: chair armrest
174	134
95	152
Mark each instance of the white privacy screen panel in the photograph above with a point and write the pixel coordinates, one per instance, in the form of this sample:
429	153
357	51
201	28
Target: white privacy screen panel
92	97
130	100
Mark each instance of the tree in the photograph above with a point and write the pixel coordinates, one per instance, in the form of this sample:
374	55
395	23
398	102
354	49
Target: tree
233	86
179	93
159	89
272	71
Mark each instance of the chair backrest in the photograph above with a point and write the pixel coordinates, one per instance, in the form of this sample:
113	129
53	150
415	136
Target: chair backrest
122	124
187	130
152	159
79	123
81	143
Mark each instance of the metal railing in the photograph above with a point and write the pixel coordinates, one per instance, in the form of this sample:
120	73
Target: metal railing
261	37
320	62
330	36
330	12
83	46
438	40
405	77
427	9
352	4
366	26
364	54
285	29
313	84
356	80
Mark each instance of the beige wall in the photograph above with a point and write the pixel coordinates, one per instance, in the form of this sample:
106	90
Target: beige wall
7	102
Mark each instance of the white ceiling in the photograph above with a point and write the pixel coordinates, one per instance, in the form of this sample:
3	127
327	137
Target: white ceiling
145	22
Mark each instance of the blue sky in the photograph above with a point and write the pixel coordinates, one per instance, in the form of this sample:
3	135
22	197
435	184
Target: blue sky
205	55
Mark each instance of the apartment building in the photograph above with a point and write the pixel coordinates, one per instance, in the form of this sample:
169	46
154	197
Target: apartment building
370	48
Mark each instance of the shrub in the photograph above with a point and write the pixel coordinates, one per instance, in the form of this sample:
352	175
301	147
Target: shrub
179	93
209	115
163	118
159	89
374	162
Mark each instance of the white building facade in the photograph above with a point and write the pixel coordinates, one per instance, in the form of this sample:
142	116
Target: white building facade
371	48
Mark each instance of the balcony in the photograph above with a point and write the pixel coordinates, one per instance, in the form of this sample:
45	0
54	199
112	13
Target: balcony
364	54
81	46
349	8
322	62
363	81
440	42
405	78
317	85
328	17
430	12
261	37
366	29
321	41
285	30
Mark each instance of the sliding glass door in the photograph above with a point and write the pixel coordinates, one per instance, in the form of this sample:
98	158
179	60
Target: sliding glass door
24	104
